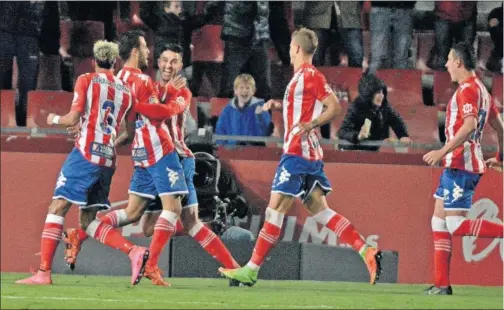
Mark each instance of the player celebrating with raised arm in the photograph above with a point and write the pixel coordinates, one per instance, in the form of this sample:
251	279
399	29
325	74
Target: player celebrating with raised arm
101	102
466	116
300	172
157	167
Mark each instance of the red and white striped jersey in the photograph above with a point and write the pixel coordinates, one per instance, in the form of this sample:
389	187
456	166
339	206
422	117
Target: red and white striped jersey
303	103
470	99
152	138
103	101
177	123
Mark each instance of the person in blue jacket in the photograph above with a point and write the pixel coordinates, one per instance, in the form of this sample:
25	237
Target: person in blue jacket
243	115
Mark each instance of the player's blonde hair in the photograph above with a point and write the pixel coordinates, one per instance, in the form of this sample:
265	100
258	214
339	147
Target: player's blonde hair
307	39
105	53
246	79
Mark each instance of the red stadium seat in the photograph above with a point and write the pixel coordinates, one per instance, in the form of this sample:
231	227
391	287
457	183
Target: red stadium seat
41	103
443	88
7	103
217	105
421	121
404	86
208	47
343	80
497	88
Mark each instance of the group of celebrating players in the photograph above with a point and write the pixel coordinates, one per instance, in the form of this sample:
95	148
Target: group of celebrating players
155	116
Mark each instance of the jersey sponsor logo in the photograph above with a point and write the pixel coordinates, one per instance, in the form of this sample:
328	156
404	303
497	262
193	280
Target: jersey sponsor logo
102	150
173	176
139	154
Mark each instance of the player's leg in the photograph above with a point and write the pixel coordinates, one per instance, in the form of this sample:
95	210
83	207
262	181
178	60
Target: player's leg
208	240
108	235
73	237
316	203
287	185
442	249
76	177
169	180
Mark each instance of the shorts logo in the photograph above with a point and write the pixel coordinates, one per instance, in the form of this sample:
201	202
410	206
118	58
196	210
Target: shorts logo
458	192
61	180
446	195
284	176
172	176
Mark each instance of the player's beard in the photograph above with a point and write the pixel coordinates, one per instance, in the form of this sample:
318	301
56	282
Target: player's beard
142	62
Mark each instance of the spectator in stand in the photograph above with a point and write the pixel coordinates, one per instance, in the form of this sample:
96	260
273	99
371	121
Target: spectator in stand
495	28
279	29
370	117
320	16
101	11
455	22
349	20
245	31
391	26
20	27
243	116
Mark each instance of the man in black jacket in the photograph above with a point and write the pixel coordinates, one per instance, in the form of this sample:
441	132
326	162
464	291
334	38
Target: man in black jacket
245	31
371	105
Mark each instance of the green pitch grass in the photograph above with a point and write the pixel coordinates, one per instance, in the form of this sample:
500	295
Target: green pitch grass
88	292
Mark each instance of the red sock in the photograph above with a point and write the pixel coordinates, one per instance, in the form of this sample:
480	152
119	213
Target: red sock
163	230
442	255
82	234
342	227
117	218
213	245
109	236
267	239
51	236
479	228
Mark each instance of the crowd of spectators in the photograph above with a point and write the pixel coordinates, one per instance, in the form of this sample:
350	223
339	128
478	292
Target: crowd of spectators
30	31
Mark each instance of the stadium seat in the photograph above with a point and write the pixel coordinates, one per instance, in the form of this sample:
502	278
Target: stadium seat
404	86
7	104
497	88
208	47
421	121
217	105
82	65
343	80
443	88
41	103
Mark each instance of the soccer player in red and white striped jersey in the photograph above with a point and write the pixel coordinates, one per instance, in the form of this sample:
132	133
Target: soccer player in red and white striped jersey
466	115
300	172
101	102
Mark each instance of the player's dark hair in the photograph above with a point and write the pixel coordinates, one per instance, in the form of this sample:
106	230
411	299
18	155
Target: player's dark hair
172	47
465	52
128	41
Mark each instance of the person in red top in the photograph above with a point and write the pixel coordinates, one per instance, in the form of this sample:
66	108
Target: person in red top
157	167
300	172
101	102
467	113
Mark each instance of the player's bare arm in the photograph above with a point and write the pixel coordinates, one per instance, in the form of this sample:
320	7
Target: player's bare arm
332	109
127	136
67	120
434	157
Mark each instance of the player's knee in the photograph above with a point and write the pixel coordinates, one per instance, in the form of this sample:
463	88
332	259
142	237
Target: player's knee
59	207
148	229
134	212
453	223
438	224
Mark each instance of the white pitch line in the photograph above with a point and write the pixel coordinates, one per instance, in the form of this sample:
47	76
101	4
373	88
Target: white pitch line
160	301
